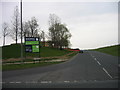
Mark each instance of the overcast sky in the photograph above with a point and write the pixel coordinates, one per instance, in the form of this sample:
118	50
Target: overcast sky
92	24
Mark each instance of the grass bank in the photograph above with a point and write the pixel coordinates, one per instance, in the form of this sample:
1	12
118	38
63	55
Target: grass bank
14	51
24	66
112	50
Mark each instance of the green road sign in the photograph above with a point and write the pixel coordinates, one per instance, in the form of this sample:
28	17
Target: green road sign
31	42
35	48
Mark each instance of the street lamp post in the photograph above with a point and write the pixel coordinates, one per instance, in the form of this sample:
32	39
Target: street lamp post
21	32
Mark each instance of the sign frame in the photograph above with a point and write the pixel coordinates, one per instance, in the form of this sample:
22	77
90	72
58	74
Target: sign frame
32	44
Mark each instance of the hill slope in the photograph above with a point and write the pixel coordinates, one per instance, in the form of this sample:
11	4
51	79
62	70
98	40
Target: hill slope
14	51
112	50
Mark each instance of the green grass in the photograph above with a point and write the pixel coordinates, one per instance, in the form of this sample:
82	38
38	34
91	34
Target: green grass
14	51
71	55
24	66
11	51
48	52
112	50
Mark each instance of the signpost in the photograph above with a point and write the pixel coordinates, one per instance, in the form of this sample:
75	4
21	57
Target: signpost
32	45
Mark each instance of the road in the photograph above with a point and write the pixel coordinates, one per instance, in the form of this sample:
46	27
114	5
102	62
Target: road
90	69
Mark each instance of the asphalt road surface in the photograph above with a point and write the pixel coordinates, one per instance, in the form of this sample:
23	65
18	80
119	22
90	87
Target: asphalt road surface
90	69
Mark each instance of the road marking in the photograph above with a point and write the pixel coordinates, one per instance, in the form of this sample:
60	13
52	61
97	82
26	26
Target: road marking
75	81
11	82
66	81
103	68
49	81
18	82
95	58
44	82
107	73
98	62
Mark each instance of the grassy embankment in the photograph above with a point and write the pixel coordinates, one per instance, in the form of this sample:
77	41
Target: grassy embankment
13	51
112	50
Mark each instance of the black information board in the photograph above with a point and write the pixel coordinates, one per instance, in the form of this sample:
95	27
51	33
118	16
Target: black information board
32	44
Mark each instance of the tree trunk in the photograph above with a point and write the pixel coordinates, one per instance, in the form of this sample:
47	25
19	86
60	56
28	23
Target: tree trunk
16	39
16	32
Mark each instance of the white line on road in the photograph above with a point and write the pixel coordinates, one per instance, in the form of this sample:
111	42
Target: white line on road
45	82
11	82
107	73
18	82
66	81
95	59
95	80
49	81
98	62
103	68
75	81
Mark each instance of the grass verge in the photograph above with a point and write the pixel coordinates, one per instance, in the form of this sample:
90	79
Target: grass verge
14	51
73	54
24	66
112	50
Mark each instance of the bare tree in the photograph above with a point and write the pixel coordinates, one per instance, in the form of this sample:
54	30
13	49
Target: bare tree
26	29
30	28
53	19
16	24
5	31
33	24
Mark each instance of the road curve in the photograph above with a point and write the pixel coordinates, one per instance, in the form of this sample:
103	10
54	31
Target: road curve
90	69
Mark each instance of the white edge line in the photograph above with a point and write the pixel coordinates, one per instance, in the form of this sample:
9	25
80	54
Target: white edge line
95	58
44	82
107	73
98	62
67	81
11	82
18	82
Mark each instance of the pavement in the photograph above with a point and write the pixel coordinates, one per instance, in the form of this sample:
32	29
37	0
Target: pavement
90	69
